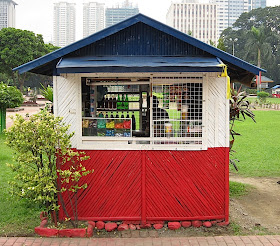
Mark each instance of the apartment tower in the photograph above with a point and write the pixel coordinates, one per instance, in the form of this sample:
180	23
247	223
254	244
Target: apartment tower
228	11
93	18
194	18
7	13
64	28
120	13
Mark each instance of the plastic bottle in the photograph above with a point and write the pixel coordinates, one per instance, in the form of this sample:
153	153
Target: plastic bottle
111	116
110	102
123	102
119	103
133	121
114	103
126	103
117	115
106	115
106	102
127	115
122	116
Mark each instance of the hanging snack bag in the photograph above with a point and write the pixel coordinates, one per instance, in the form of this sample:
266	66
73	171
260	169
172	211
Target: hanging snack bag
110	124
101	123
127	124
119	124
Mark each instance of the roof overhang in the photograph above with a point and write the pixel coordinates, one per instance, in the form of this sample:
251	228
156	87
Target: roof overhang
126	64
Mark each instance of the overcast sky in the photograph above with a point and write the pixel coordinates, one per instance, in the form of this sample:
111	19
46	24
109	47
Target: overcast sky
37	15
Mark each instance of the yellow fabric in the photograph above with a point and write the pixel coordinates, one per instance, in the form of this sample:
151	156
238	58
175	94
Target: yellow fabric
225	74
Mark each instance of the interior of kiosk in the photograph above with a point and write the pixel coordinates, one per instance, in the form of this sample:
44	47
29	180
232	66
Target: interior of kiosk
141	110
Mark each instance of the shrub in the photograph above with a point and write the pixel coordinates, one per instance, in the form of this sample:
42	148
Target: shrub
42	145
262	95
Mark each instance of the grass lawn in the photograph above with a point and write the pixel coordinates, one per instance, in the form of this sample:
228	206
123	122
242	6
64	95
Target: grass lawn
258	147
17	217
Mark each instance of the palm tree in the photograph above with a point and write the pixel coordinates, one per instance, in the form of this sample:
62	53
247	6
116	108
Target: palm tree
257	46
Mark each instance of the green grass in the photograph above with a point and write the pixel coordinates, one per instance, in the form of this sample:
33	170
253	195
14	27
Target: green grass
237	189
258	147
17	217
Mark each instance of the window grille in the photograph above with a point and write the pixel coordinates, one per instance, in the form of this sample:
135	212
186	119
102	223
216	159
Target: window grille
177	112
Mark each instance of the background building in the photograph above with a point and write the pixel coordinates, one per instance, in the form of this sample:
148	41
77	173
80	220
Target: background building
192	17
228	11
64	27
93	17
7	13
118	14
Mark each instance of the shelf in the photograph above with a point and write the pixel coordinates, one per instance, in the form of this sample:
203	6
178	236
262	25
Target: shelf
116	110
122	92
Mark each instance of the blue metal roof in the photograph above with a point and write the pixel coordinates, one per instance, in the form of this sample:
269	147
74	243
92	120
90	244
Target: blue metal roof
123	39
138	64
276	87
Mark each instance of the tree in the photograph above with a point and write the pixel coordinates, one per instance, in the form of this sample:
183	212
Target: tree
258	46
266	19
18	47
43	149
10	97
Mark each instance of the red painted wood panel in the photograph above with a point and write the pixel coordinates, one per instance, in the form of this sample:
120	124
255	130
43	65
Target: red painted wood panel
155	185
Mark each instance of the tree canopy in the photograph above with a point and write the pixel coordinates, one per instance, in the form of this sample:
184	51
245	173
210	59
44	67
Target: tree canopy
256	34
18	47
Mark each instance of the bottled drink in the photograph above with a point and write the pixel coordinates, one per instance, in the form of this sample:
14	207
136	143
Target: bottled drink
111	116
114	102
119	103
133	121
106	102
117	115
123	101
122	116
110	102
100	115
106	115
126	103
127	115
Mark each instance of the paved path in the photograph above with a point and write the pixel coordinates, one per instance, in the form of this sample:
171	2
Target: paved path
192	241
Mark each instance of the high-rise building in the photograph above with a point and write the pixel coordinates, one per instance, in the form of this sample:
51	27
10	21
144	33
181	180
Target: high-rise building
118	14
229	11
7	13
64	25
93	17
192	17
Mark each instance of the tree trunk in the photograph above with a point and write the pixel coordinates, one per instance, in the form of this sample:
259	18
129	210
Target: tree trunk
259	76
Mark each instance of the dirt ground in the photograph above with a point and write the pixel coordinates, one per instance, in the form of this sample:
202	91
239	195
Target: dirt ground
260	207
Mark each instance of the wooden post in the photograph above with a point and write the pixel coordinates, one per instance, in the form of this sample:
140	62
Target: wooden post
2	119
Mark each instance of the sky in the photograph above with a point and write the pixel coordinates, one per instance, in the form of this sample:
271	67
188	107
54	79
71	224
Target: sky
37	15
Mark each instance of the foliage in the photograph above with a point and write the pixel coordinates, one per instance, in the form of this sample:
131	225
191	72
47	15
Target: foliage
39	142
221	44
18	47
47	92
239	110
266	20
69	179
10	96
262	95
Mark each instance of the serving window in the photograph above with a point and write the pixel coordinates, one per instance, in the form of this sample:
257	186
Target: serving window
147	111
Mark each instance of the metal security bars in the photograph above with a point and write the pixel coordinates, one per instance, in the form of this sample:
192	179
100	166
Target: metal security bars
177	111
